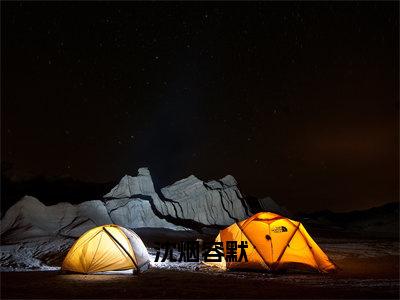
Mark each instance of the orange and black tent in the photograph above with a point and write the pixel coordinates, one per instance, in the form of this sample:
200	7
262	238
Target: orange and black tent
273	243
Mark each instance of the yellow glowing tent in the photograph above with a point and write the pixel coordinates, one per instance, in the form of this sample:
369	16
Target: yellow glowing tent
274	243
107	248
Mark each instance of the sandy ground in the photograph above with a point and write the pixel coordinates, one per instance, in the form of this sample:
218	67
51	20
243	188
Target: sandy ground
368	269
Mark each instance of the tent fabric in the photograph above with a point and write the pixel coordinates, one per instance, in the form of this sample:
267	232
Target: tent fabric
107	248
139	249
274	243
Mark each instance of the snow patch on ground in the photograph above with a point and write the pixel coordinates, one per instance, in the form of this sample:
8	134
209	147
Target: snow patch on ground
43	254
168	265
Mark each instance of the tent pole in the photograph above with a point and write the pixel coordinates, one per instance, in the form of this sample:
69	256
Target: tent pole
276	263
254	246
123	248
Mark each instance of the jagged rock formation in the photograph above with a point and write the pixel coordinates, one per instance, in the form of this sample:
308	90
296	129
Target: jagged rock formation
134	203
217	202
29	218
189	202
129	186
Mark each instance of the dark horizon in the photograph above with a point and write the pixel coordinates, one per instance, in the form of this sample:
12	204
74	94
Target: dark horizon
299	102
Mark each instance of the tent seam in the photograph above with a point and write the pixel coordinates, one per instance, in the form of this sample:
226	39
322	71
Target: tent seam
130	245
95	253
312	252
255	248
287	244
82	243
123	248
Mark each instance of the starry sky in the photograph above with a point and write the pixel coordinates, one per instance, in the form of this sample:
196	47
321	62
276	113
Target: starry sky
297	101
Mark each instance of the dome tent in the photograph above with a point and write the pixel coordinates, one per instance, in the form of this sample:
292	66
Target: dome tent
107	248
273	243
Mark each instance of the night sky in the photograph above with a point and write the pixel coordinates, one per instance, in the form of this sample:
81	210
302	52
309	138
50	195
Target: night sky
297	102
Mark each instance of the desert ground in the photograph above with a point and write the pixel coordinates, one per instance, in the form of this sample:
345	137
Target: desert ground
368	268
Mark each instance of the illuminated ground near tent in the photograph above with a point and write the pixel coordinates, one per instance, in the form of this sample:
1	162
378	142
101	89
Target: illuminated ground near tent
369	270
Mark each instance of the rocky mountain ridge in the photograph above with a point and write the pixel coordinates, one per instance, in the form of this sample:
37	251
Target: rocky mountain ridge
188	204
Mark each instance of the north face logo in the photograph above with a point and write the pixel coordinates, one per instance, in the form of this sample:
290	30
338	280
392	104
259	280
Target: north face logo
279	229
